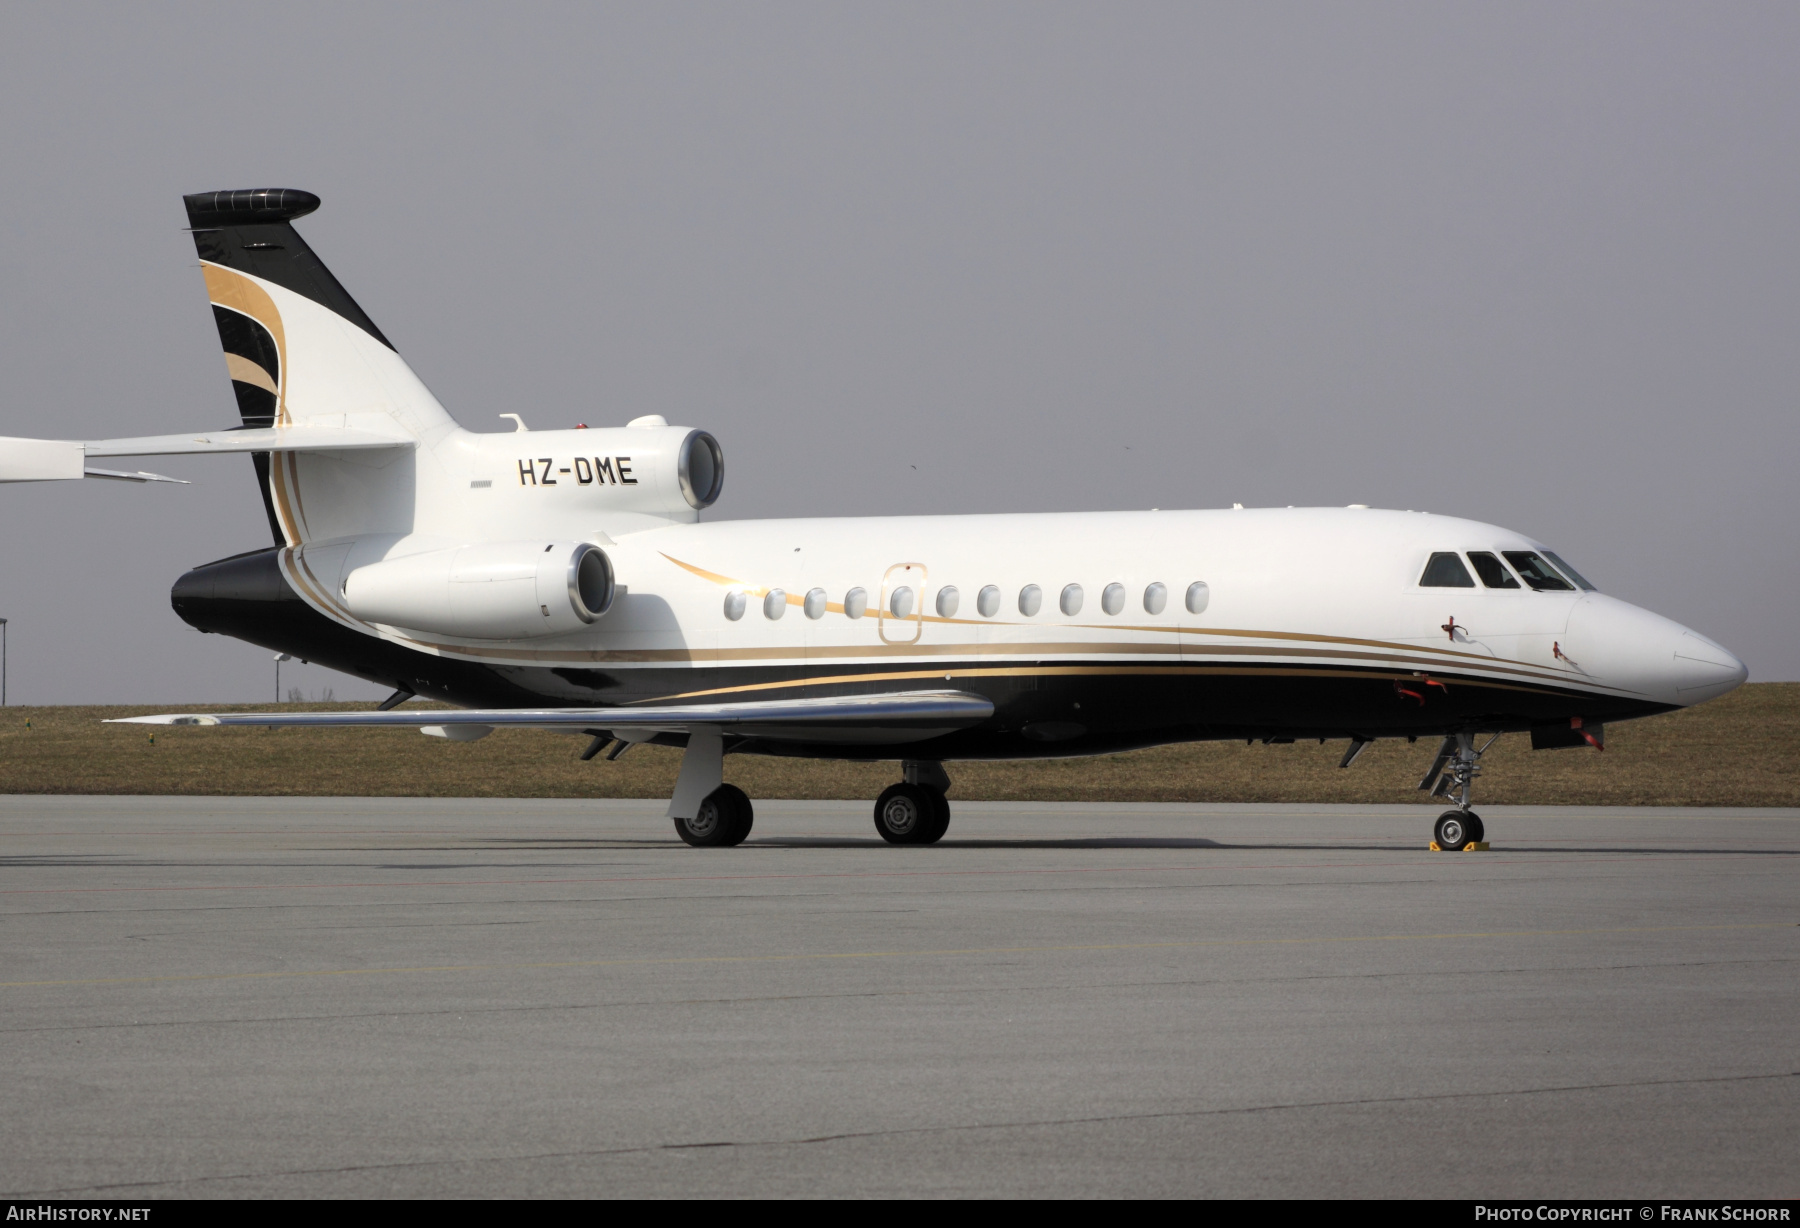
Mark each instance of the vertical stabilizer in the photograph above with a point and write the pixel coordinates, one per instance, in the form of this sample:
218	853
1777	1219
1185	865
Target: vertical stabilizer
298	348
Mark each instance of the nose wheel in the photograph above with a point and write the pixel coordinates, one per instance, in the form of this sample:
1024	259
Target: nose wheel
1456	828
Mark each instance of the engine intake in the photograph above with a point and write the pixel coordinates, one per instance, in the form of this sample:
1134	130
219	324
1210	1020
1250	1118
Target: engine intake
489	591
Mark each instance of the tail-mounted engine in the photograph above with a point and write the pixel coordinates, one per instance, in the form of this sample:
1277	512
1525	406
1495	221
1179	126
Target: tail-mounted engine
604	477
491	591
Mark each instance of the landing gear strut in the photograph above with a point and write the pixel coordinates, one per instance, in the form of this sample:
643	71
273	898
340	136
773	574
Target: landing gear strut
915	811
1452	774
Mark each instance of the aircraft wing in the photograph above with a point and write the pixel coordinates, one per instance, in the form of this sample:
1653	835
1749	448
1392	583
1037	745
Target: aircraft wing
904	716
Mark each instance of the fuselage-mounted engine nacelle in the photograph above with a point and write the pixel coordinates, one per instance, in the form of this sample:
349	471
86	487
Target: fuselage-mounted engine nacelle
489	591
628	478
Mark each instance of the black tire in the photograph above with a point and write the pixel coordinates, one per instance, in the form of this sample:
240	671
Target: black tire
905	814
718	822
1477	831
1452	830
744	814
940	817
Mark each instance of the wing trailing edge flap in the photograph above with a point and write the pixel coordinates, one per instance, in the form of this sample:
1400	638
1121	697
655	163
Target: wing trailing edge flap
903	716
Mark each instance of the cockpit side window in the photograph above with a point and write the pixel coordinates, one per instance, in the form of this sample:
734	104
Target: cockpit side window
1581	581
1445	570
1539	574
1492	571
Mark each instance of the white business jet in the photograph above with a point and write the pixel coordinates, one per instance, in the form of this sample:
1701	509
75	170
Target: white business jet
559	579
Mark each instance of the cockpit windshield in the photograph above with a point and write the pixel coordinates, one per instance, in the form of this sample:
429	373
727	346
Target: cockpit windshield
1581	581
1537	573
1492	571
1445	570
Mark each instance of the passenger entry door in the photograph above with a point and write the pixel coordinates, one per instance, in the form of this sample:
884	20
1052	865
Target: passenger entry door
901	618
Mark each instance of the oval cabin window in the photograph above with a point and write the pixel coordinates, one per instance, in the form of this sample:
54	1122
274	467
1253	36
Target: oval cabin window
987	601
734	606
1197	596
1156	598
1112	598
900	602
856	603
1071	599
775	603
815	603
947	601
1031	600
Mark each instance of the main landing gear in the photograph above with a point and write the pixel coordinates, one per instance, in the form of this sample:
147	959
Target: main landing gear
915	811
722	819
709	813
1452	774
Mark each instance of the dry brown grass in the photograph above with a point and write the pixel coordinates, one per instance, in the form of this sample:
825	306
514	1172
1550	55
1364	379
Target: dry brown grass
1738	751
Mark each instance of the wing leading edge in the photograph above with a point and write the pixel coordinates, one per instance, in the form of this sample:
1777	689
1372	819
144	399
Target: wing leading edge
918	713
872	719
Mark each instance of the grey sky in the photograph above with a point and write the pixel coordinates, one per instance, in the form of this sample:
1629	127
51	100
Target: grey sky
1533	264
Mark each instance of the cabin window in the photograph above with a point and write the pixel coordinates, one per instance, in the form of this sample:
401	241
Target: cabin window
900	602
1112	598
1071	599
1031	600
1445	570
775	603
1581	582
1492	571
734	606
1198	595
1156	598
1539	574
988	601
815	603
947	601
856	603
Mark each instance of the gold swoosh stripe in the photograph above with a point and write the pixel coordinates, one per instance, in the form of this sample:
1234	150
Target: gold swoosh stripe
799	655
1056	671
244	371
1174	628
236	292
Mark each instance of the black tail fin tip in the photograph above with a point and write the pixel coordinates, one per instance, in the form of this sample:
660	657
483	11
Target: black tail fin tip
248	206
248	230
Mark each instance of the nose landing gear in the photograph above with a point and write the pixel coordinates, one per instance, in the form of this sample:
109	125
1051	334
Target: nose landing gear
1456	829
1452	774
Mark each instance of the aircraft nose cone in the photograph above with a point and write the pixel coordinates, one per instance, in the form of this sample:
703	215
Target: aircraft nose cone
1704	670
1624	646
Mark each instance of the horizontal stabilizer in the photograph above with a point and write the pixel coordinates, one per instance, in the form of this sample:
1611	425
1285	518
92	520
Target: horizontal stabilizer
255	439
40	460
925	712
61	460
